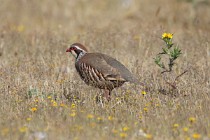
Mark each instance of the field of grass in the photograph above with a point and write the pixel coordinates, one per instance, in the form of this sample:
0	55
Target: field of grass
43	98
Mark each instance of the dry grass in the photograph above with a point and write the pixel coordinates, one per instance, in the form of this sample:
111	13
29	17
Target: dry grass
35	71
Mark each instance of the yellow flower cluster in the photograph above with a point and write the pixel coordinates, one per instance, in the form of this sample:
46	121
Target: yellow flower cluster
73	106
192	119
125	128
23	129
196	136
28	119
63	105
73	114
54	103
167	35
145	109
185	129
33	109
143	92
176	125
99	119
90	116
123	135
49	97
148	136
110	118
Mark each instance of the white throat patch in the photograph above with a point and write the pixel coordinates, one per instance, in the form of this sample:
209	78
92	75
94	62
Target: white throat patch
80	56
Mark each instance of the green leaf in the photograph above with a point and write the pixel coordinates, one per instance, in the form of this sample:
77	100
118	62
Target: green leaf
175	53
165	51
158	62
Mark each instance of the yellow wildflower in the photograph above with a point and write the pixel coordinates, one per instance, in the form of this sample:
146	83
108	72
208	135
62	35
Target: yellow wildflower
62	105
196	136
90	116
99	119
157	105
110	118
73	105
23	129
73	114
185	129
148	136
33	109
176	125
164	35
170	35
123	135
36	100
143	92
125	128
54	103
187	138
146	109
49	97
28	119
192	119
167	35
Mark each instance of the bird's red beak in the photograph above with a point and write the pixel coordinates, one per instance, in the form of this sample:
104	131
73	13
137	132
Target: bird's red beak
68	50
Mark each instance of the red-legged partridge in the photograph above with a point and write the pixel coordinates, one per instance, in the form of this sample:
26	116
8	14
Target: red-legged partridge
100	70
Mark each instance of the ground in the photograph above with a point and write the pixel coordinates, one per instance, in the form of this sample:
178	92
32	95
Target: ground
42	96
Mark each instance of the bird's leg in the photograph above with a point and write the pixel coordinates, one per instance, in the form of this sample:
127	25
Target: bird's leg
107	94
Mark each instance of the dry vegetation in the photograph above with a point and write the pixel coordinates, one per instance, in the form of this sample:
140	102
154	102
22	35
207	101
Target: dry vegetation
35	71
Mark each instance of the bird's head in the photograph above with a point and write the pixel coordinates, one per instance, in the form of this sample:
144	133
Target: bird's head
76	49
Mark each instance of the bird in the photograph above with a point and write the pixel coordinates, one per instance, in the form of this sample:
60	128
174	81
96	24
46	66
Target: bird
100	70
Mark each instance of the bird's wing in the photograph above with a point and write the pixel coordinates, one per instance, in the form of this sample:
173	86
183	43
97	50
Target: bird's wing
124	72
99	63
